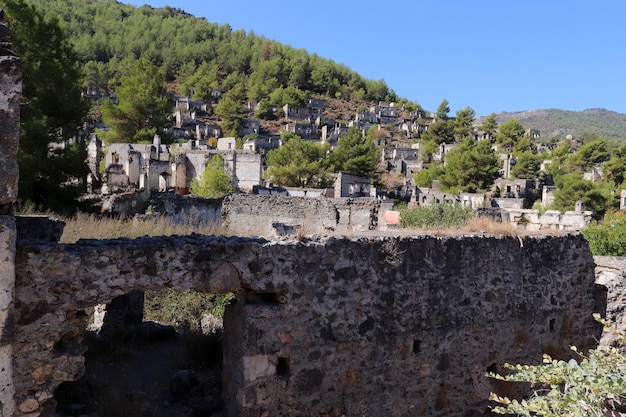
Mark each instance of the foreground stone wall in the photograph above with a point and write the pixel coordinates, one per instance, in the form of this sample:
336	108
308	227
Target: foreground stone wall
10	92
336	326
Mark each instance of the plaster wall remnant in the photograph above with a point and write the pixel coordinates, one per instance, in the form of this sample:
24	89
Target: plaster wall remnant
355	325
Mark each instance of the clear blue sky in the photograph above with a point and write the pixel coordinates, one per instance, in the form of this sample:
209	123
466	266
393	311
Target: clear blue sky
490	55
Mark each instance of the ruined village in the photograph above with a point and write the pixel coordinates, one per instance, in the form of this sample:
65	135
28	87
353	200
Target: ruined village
351	323
136	176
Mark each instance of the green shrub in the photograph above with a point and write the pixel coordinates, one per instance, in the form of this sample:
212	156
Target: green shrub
436	216
594	385
608	238
183	310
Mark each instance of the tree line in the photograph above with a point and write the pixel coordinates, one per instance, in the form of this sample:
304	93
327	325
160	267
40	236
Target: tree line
198	56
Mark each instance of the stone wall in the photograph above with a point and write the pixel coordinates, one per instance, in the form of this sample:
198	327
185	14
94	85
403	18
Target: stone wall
10	93
183	208
368	325
269	215
611	275
533	220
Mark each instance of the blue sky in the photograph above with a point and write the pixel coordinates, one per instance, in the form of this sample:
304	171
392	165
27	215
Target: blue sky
490	55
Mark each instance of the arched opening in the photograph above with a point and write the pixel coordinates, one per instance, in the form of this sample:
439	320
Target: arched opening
157	354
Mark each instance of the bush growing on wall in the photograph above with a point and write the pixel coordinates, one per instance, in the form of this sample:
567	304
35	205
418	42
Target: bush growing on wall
595	385
608	238
436	216
183	310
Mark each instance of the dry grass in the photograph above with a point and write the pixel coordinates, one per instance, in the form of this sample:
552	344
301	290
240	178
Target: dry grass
90	226
486	226
491	227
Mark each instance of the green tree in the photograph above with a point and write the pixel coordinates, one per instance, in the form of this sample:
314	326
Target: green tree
608	237
52	165
427	149
590	154
463	124
523	145
596	196
356	154
490	126
215	181
424	177
527	166
290	95
471	167
263	112
615	167
443	110
509	134
436	216
143	106
298	163
230	111
440	131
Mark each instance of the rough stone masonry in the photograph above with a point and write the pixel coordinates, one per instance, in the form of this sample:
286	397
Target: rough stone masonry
355	326
359	326
10	92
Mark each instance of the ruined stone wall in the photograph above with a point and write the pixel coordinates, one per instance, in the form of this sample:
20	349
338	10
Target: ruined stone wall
611	275
185	208
267	215
533	220
10	92
248	169
335	326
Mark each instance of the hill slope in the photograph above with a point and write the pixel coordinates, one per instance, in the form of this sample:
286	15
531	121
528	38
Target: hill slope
560	123
197	56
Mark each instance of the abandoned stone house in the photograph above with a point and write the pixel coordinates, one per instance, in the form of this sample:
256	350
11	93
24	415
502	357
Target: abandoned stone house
403	161
155	168
306	131
249	127
386	113
310	112
331	133
262	144
509	193
348	185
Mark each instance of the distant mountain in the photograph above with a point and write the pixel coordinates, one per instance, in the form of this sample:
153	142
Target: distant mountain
559	123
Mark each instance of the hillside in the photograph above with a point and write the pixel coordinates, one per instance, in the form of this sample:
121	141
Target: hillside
560	123
197	56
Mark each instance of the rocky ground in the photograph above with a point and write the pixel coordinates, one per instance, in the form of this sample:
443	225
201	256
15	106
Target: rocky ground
152	371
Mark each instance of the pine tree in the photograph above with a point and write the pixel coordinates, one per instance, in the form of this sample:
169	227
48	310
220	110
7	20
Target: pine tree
52	165
143	106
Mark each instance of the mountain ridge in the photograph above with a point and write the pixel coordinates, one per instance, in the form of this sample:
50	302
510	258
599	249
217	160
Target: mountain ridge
557	123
